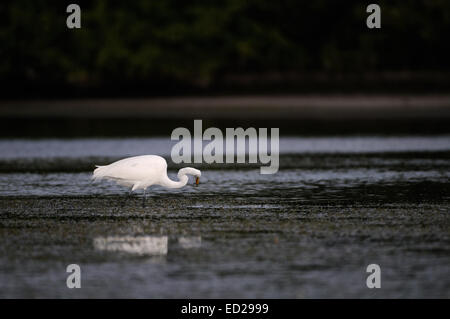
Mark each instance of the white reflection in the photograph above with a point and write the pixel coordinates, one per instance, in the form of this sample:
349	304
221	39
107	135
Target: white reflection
190	242
140	245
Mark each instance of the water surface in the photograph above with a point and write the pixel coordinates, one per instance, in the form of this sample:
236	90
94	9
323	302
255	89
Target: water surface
337	205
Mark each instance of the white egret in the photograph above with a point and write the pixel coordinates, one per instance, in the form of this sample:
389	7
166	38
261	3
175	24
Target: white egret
140	172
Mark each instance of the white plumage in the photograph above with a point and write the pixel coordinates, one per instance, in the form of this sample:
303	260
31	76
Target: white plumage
140	172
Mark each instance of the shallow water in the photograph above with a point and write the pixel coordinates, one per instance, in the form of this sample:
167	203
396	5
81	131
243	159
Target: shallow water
337	205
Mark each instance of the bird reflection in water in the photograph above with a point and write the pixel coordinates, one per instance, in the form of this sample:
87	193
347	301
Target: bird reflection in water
143	245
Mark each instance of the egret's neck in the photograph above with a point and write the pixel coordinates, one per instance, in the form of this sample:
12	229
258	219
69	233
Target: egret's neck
167	182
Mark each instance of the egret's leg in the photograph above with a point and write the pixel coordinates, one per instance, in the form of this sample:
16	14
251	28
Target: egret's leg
143	199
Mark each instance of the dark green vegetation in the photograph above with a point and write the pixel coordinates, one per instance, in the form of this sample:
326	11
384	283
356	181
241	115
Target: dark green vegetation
158	47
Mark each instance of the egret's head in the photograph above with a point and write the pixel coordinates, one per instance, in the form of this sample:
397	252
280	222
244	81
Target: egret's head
190	171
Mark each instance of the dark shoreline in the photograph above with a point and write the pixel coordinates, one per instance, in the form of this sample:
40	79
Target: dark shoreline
231	107
294	115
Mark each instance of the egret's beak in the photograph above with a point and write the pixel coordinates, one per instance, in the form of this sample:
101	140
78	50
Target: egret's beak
197	180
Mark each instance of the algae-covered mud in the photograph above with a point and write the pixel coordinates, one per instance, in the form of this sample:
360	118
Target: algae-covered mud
336	205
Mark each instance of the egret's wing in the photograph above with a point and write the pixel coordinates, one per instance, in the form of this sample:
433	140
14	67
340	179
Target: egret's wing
135	169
